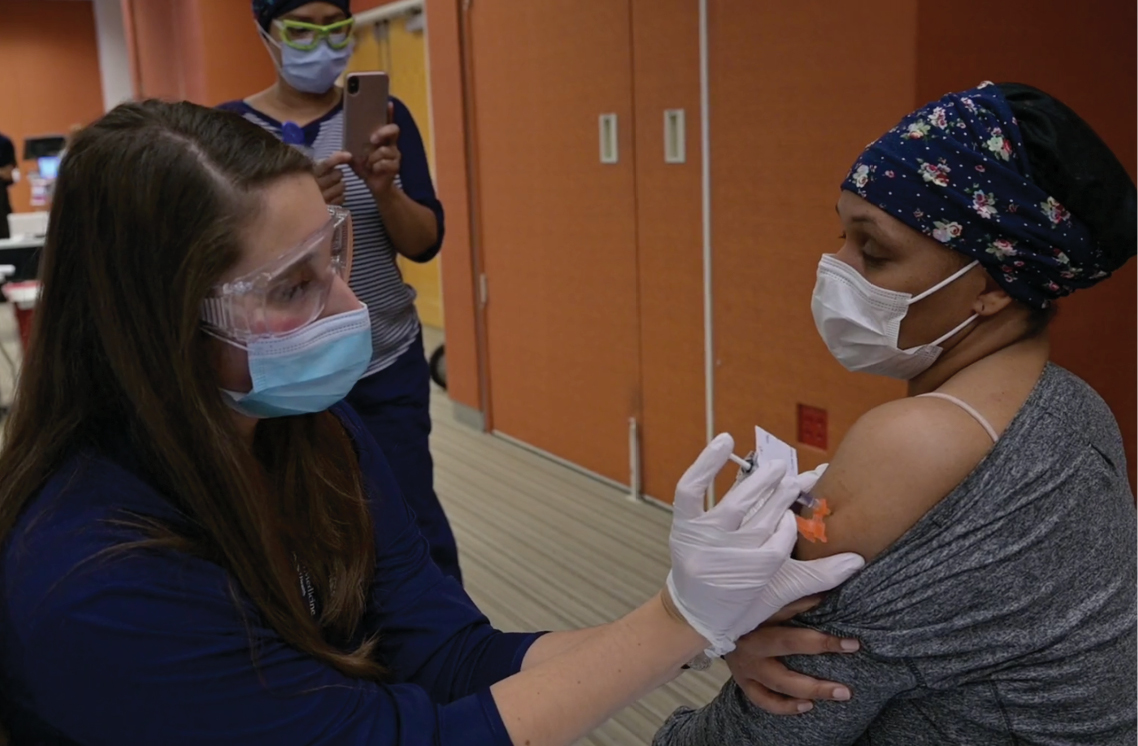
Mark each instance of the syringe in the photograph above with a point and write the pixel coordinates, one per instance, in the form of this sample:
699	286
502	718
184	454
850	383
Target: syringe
744	464
805	499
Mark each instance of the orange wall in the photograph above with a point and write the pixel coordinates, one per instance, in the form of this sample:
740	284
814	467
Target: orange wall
234	58
358	6
1085	55
50	77
797	90
206	51
164	40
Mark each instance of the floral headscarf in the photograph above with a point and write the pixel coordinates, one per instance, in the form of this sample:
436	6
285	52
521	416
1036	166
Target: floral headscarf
957	170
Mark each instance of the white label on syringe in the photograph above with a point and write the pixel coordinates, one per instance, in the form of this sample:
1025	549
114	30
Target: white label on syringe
769	448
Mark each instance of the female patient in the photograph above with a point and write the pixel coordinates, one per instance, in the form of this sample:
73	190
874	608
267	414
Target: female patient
992	505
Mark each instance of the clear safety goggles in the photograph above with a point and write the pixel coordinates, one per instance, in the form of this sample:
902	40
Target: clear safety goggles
288	292
306	36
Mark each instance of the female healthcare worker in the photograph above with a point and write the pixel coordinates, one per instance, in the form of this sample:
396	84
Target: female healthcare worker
181	566
394	209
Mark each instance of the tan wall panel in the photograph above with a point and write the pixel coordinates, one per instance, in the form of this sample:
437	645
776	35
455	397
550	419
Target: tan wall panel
797	90
402	54
1084	54
369	53
408	50
558	227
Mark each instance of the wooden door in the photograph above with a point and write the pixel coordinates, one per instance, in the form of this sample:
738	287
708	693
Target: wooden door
558	227
669	219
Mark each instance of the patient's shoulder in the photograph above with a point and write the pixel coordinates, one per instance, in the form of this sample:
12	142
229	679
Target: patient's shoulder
894	465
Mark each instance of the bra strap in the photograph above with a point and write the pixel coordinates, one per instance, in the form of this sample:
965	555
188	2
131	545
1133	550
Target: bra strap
969	409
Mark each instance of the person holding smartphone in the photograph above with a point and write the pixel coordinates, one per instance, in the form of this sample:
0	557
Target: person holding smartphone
389	193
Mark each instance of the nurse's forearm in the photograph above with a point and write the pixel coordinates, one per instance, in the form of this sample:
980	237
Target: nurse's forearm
562	698
555	643
412	227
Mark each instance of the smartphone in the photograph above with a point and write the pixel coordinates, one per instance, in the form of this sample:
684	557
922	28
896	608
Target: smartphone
365	110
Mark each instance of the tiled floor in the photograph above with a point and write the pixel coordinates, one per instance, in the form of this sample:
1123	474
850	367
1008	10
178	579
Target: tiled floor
543	547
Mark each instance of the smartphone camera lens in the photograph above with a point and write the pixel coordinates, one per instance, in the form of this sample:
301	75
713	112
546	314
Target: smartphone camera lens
353	85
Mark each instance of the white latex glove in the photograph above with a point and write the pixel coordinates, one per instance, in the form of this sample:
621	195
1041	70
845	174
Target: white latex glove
722	564
807	479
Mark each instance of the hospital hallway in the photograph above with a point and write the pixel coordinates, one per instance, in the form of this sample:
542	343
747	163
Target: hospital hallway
544	547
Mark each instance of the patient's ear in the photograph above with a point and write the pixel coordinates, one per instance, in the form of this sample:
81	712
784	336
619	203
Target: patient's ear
992	299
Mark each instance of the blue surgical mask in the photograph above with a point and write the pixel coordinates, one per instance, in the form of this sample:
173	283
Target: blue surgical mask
314	70
307	370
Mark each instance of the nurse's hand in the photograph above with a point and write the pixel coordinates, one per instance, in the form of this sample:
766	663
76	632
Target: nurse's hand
768	683
724	559
808	479
330	179
727	563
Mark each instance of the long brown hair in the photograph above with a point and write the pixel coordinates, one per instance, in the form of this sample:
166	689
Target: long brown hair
147	214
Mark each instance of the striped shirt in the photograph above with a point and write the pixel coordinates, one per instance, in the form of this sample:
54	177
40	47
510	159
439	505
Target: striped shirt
376	279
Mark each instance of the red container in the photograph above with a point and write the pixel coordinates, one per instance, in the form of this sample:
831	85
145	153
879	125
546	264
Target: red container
22	296
24	321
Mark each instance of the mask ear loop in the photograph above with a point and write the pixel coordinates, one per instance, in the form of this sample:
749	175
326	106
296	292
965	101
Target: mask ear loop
944	283
271	45
957	330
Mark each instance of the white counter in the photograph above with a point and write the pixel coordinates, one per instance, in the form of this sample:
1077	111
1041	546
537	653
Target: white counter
22	242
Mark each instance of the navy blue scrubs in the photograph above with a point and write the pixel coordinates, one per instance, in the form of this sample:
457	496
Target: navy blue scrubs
148	646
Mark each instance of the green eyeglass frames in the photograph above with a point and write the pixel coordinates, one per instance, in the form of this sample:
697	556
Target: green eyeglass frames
306	36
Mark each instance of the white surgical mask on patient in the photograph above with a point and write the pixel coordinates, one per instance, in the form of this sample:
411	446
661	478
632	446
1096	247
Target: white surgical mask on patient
860	322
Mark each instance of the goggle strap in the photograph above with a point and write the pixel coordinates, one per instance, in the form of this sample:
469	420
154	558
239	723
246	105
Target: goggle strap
211	331
214	312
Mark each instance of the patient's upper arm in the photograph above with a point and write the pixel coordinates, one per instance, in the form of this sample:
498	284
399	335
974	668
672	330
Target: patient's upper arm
893	466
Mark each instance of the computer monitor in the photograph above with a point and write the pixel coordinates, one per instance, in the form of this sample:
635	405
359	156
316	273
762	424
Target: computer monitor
48	166
45	145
